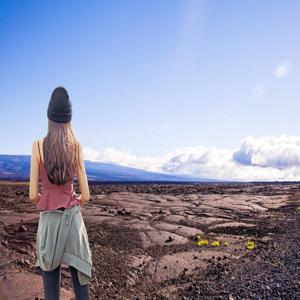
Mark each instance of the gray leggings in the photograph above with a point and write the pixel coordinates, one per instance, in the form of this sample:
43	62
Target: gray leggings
51	282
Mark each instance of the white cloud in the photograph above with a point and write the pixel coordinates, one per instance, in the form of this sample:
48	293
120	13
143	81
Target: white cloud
124	158
256	158
283	69
276	152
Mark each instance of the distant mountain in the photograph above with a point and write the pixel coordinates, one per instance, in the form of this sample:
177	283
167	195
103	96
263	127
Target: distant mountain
17	167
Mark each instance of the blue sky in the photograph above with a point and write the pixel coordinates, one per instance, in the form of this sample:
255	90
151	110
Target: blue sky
147	78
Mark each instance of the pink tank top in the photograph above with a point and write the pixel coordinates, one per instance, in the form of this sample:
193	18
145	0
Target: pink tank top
54	196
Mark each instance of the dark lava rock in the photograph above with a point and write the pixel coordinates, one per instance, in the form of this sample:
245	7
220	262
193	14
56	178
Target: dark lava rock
170	239
269	272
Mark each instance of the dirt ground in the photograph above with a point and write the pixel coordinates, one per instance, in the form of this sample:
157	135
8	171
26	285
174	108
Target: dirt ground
143	242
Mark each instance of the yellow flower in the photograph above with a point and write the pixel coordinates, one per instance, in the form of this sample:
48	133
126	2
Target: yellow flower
250	245
215	243
226	243
298	208
202	242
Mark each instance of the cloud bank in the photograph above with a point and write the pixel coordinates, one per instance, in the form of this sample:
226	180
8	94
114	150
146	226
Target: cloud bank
256	158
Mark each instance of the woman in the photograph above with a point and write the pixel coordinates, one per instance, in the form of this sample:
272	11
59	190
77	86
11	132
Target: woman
61	234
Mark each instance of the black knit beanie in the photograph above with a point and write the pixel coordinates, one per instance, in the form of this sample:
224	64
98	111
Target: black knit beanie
60	106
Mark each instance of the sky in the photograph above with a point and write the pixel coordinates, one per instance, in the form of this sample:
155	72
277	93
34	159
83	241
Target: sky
206	88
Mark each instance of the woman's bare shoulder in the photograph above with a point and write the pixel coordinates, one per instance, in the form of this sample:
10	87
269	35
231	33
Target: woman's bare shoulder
37	143
40	141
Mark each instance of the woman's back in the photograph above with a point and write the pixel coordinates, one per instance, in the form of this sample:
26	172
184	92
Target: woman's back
54	196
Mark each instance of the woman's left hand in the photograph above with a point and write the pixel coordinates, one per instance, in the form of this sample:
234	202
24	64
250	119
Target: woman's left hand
38	199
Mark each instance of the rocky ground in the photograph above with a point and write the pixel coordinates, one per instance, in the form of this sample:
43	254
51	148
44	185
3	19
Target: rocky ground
143	242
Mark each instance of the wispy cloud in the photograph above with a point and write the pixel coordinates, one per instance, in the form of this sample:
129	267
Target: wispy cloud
258	90
164	126
256	158
283	69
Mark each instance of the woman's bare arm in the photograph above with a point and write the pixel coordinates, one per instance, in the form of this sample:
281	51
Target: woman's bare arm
34	194
82	179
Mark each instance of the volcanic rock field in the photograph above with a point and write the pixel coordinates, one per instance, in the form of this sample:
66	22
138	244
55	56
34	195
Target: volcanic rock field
144	240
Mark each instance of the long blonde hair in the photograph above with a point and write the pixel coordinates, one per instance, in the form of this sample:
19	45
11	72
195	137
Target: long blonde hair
61	153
